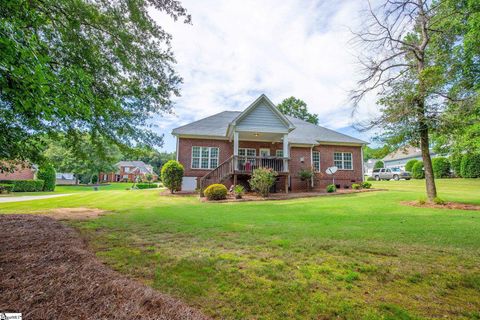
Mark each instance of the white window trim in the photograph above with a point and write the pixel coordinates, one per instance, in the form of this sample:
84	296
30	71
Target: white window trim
313	161
246	153
276	153
263	149
209	158
343	160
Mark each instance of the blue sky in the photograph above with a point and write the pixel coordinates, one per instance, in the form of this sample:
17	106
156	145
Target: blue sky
235	50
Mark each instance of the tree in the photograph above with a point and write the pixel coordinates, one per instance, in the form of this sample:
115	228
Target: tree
470	166
378	165
47	173
97	67
172	174
82	157
376	153
297	108
410	58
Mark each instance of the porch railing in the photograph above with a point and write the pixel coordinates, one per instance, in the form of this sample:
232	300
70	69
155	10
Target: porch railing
246	164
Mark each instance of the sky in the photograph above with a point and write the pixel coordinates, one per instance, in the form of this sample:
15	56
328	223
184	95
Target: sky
236	50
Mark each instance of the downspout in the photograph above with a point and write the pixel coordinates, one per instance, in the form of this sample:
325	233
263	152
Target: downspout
311	165
176	148
363	164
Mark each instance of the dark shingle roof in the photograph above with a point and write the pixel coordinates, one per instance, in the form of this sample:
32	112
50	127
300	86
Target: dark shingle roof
304	133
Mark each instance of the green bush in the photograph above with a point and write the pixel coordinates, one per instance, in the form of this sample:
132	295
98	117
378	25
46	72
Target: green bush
146	185
456	164
216	191
410	164
356	186
370	179
417	170
262	180
366	185
172	174
441	167
439	201
331	188
378	165
25	185
47	173
470	166
238	190
6	187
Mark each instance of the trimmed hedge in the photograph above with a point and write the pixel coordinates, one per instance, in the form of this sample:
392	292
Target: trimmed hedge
417	170
216	191
410	164
48	175
456	163
25	185
146	185
441	167
470	166
6	187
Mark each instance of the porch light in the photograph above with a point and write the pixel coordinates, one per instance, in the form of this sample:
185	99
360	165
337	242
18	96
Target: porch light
256	134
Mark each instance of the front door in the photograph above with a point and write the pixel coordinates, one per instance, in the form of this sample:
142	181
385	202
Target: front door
264	152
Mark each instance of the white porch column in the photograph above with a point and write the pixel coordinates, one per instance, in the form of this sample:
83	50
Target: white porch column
285	152
235	150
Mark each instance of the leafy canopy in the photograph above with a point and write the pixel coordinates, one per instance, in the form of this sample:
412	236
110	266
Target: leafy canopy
297	108
97	67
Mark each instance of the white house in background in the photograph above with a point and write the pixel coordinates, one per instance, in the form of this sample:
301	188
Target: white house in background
65	178
368	166
400	157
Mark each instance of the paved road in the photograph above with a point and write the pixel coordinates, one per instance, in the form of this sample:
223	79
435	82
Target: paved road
29	198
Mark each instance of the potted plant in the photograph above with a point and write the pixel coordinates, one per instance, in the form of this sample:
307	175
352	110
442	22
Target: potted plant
238	191
306	176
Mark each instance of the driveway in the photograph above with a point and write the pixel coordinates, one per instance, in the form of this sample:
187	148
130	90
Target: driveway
29	198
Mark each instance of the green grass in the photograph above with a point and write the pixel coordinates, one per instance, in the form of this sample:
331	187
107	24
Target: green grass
359	256
74	189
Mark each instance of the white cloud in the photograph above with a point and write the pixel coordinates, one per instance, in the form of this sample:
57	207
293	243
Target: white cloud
235	50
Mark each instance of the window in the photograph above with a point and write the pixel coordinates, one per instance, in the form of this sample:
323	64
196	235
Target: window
343	160
204	157
126	169
247	152
279	153
316	161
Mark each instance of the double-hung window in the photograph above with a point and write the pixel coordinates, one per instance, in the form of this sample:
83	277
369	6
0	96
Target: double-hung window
316	161
279	153
204	157
343	160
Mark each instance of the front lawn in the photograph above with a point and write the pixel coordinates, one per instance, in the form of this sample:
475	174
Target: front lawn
358	256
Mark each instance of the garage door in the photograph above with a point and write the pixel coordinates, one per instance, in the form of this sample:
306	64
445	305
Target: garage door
189	183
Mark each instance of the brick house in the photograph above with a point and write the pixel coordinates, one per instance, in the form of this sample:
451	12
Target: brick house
226	147
26	172
128	171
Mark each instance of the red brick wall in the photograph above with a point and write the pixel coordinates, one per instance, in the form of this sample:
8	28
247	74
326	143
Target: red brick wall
296	153
19	174
342	177
185	153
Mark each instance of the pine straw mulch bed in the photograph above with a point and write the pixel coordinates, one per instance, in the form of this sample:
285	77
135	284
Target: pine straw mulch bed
47	272
251	196
447	205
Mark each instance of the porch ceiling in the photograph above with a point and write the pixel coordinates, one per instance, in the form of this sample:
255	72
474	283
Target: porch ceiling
260	136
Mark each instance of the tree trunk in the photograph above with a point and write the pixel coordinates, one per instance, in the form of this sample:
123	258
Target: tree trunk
427	165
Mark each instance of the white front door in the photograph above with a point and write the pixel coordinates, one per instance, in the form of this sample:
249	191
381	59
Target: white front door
264	152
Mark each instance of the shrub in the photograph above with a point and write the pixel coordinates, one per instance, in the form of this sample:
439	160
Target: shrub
25	185
47	173
456	164
356	186
331	188
306	175
370	179
441	167
439	201
172	174
6	187
94	179
146	185
410	164
378	165
422	202
238	190
366	185
216	191
417	170
470	166
262	180
149	177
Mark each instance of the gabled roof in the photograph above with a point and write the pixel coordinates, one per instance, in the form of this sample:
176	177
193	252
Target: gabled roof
403	153
139	166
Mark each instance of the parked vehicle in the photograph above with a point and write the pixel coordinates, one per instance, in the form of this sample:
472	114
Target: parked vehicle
390	173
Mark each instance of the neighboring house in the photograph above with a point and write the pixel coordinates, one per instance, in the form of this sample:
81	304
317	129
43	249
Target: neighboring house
128	171
27	172
65	178
400	157
226	147
369	166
